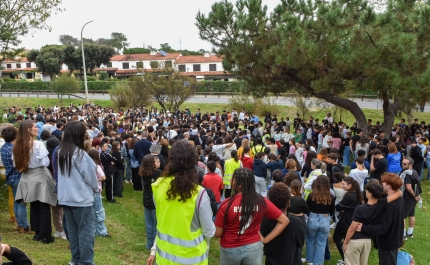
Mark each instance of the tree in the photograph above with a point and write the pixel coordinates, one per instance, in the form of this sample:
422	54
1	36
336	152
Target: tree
136	50
95	55
19	17
166	47
324	49
48	59
169	88
69	40
118	94
139	92
65	85
72	58
118	41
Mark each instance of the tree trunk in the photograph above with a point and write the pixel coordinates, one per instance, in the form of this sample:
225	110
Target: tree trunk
389	110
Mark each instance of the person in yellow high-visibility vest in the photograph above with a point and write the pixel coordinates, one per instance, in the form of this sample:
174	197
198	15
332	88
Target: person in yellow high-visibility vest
183	212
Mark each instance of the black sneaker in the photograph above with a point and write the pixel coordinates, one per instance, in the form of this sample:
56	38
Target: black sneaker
405	238
410	236
107	236
113	201
47	240
37	237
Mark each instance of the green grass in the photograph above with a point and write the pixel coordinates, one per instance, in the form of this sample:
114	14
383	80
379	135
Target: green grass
127	246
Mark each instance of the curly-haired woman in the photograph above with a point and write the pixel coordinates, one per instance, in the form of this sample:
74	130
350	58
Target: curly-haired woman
149	171
184	214
321	205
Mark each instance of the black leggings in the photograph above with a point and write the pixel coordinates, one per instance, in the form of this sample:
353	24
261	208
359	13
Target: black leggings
339	234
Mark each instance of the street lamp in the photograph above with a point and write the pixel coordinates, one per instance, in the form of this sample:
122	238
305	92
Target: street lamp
83	60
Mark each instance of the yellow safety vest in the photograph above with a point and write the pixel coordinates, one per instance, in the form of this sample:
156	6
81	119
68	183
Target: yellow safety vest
230	166
176	243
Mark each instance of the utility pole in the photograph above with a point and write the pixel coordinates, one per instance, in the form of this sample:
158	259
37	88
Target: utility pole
180	43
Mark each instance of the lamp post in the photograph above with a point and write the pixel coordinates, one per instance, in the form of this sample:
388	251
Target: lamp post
83	61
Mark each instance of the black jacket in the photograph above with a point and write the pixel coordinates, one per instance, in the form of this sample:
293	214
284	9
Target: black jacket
106	160
148	199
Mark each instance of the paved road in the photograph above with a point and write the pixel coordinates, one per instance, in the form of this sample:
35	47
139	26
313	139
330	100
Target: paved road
282	101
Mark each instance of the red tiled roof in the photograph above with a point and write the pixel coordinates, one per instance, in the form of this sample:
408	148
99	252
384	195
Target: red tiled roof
203	73
11	70
198	59
20	60
145	57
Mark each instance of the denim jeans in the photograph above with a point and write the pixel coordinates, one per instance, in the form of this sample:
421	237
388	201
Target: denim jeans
128	169
151	226
428	168
81	233
251	254
319	148
99	216
346	156
19	209
260	186
317	231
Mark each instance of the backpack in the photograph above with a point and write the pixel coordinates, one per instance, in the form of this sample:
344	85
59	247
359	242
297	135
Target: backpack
256	133
417	184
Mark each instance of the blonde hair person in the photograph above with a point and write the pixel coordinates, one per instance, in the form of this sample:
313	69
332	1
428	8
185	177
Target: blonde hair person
245	142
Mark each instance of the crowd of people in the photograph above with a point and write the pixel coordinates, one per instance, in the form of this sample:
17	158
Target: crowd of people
264	187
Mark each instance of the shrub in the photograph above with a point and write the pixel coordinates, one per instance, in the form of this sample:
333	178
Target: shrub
253	105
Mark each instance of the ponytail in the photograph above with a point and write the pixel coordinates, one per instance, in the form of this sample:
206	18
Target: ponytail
234	155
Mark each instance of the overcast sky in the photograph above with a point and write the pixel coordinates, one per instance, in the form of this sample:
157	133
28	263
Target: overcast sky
142	21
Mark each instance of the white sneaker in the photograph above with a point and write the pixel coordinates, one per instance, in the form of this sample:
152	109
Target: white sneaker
64	236
58	234
303	260
340	262
333	226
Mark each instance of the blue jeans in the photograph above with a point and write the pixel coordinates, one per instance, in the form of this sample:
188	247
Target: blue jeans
99	216
81	233
19	209
428	168
317	230
128	169
151	226
346	156
251	254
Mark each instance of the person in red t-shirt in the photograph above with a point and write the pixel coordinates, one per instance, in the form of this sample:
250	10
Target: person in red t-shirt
239	218
213	181
246	159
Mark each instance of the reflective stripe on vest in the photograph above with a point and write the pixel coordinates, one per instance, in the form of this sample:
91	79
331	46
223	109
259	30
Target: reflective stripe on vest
181	242
181	260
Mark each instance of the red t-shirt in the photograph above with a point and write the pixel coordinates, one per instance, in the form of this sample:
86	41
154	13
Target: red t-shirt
213	181
230	237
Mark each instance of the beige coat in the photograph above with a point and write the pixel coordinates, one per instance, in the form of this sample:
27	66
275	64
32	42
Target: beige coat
36	184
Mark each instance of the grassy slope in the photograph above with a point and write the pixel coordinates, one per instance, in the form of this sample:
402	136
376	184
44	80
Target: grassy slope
127	246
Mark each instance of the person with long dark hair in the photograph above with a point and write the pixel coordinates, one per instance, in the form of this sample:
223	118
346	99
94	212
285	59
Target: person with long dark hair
238	221
77	184
181	202
149	171
36	185
352	198
321	205
230	166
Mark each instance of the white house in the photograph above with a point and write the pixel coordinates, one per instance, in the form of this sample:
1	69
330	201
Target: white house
202	67
19	68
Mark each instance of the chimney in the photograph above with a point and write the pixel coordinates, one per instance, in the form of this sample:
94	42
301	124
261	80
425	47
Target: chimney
207	54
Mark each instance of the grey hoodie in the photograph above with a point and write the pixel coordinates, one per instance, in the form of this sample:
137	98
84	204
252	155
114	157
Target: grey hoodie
78	189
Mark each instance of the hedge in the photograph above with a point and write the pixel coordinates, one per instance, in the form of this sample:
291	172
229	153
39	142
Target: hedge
220	86
92	85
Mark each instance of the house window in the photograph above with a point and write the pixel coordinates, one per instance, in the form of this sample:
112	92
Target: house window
109	64
28	65
196	68
29	75
181	68
212	67
18	65
168	64
9	65
139	65
125	65
154	64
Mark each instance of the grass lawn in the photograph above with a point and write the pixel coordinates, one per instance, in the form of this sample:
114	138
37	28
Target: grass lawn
127	246
281	111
